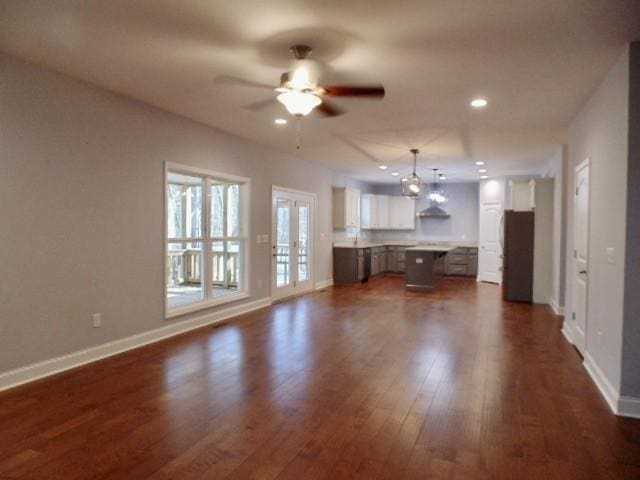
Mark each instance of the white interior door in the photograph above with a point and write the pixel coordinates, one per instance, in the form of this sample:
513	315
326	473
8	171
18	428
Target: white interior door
581	255
292	248
490	252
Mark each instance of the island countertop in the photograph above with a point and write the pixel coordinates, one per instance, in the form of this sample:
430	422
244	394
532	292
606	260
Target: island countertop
430	248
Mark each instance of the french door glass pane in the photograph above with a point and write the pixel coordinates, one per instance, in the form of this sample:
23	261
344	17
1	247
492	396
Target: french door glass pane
226	267
184	269
283	240
303	243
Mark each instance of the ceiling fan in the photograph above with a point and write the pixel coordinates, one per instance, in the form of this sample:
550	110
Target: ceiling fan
301	94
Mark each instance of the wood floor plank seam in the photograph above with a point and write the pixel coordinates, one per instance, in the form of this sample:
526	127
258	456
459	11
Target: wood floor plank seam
364	381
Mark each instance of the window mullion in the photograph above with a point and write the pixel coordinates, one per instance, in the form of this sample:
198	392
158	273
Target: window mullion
205	235
225	231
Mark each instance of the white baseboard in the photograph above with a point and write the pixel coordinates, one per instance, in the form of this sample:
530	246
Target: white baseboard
607	390
567	332
324	284
629	407
29	373
557	309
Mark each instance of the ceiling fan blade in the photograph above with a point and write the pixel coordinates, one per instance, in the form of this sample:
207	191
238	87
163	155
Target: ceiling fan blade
329	109
241	82
260	104
354	91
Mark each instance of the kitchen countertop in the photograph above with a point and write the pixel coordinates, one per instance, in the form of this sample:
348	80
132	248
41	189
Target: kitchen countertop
430	248
407	243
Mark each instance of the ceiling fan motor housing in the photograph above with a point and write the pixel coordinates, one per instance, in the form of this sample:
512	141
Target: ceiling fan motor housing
301	51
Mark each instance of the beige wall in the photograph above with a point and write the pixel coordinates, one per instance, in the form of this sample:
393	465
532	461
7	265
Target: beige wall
631	343
81	205
599	132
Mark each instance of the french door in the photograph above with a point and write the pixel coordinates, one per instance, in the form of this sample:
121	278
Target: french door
292	252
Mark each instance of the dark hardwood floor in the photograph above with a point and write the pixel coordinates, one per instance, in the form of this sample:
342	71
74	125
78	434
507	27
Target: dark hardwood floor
365	382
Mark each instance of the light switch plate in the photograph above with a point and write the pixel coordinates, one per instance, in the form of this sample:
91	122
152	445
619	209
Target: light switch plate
611	255
265	238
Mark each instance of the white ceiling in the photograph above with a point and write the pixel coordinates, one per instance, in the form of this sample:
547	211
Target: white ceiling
536	62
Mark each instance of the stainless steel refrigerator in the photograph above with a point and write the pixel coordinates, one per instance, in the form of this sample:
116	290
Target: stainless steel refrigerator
517	256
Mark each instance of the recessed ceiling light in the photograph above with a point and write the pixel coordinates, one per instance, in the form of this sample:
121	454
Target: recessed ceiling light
479	163
395	174
280	121
443	177
479	103
482	170
383	167
484	177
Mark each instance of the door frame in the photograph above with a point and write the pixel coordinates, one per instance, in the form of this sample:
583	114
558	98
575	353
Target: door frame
580	342
500	206
313	243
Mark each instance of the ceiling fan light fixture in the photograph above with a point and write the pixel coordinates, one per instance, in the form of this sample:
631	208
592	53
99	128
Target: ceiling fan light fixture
299	103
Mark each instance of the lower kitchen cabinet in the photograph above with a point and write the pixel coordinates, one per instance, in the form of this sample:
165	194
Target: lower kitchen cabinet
462	262
349	263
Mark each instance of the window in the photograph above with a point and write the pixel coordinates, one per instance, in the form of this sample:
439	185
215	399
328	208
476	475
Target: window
206	239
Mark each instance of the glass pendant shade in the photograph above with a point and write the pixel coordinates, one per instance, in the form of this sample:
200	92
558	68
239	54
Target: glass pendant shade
299	103
412	185
436	195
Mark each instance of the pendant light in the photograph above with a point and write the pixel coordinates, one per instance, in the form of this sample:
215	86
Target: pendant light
436	195
412	184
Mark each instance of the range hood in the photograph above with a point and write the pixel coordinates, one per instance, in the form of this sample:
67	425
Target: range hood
434	211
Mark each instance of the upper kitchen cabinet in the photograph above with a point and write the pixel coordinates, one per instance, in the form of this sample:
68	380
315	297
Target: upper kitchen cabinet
387	212
523	196
346	207
402	213
375	211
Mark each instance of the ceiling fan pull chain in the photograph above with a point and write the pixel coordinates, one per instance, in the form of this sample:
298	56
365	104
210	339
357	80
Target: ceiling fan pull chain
297	132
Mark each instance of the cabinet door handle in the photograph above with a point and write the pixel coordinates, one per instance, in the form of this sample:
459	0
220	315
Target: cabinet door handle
583	272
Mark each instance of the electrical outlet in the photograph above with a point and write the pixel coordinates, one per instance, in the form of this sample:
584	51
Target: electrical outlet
96	319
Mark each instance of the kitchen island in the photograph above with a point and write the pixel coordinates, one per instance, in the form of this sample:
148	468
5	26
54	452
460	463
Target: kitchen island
355	262
425	266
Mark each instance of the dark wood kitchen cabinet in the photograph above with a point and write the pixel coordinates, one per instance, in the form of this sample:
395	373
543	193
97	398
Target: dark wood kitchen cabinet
463	262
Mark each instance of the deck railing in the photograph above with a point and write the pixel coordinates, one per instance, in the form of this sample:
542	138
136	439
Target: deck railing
184	267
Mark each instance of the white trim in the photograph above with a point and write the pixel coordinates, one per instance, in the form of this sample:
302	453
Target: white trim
324	284
566	331
558	310
213	302
629	407
607	390
29	373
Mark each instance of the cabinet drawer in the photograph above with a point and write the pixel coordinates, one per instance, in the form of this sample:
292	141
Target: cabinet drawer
457	259
456	270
